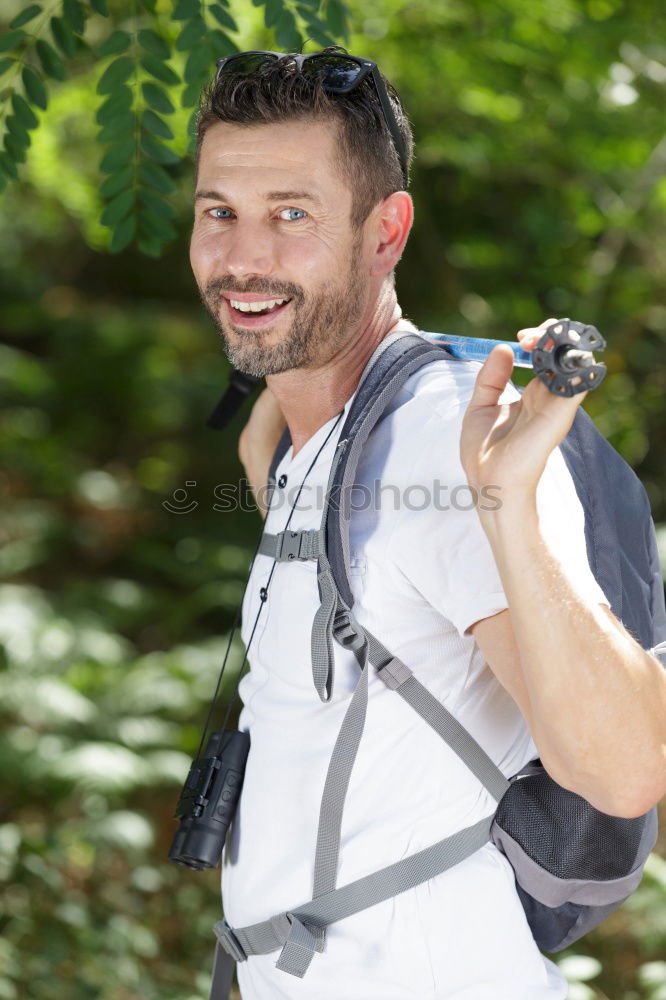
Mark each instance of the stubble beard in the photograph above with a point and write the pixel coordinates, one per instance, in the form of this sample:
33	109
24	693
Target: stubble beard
320	326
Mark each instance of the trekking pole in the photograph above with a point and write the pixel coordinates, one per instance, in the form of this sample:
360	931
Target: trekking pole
562	358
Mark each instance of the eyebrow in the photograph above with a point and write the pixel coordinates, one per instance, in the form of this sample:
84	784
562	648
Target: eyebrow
270	196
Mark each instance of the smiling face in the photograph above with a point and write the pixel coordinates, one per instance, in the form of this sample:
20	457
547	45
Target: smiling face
273	222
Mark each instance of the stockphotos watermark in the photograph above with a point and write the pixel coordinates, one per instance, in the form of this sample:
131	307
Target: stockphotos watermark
228	497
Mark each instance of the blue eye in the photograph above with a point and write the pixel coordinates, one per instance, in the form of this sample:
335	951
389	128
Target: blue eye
303	213
213	212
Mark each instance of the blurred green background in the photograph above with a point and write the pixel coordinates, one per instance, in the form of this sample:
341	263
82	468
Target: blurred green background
540	189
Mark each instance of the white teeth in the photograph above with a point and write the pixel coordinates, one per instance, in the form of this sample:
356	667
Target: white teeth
256	306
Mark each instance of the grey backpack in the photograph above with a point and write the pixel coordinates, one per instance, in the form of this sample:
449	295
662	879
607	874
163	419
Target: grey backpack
573	864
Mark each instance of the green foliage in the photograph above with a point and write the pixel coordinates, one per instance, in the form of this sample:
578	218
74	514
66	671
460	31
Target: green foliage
539	190
164	62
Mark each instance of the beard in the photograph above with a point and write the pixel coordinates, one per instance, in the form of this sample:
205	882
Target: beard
320	325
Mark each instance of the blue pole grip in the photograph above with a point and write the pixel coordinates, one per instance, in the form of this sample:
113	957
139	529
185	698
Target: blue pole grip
478	349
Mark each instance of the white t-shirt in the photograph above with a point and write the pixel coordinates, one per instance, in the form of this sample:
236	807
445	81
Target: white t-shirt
421	575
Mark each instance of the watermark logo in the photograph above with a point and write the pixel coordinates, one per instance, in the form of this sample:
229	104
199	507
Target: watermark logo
180	502
380	496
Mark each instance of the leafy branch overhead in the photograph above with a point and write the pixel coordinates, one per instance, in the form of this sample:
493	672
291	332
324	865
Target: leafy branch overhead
147	64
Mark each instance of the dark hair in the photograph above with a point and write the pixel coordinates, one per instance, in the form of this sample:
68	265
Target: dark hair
365	156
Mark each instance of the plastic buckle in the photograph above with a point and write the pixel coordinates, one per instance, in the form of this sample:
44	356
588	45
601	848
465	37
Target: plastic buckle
394	673
228	940
289	546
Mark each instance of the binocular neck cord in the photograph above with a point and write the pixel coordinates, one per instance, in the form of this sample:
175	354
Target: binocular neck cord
241	671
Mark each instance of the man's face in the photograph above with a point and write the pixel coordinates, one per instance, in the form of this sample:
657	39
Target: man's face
272	222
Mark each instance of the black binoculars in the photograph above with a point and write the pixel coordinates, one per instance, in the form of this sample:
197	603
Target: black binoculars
208	800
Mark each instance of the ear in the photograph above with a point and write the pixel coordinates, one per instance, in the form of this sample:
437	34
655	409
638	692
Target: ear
393	220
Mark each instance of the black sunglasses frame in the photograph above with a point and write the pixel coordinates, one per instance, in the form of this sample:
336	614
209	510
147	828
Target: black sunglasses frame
366	67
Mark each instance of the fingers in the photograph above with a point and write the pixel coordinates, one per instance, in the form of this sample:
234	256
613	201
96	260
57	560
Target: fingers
493	376
531	335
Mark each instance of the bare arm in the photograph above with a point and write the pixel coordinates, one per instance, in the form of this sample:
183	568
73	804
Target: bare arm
257	444
594	700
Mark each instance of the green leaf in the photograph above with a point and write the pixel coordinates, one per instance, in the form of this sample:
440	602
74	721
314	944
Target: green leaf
51	62
156	177
72	11
11	39
189	97
199	65
117	42
63	36
100	7
118	155
14	148
223	19
185	9
159	70
26	15
120	125
3	181
122	236
8	166
157	151
34	87
118	208
155	204
222	45
154	43
157	98
115	105
336	19
192	131
272	12
116	182
150	246
193	31
154	124
18	131
149	5
5	63
318	34
114	75
286	34
24	112
155	225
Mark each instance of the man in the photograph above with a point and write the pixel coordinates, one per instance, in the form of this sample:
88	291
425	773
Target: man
300	220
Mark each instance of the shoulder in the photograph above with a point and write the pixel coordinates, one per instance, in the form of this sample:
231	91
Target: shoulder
428	410
442	387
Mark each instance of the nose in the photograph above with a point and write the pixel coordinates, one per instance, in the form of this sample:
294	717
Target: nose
248	250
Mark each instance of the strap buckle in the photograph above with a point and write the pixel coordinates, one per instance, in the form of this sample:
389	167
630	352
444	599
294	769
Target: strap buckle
394	673
228	940
296	545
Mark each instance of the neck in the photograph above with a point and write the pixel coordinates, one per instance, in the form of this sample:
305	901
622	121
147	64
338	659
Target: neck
309	398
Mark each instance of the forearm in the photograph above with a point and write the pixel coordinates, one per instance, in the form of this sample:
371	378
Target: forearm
598	701
256	465
257	444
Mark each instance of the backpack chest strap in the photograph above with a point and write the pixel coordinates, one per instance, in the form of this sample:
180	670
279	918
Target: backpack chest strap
289	545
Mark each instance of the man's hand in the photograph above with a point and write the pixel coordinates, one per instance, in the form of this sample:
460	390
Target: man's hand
507	445
258	441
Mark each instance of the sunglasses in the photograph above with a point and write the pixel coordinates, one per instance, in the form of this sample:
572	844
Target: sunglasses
340	74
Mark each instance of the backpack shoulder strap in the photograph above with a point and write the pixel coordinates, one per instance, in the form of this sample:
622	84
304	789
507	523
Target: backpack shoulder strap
380	385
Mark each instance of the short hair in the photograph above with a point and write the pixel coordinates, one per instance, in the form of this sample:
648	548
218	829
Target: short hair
366	156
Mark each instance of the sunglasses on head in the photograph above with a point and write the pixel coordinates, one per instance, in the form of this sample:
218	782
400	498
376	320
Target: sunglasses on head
340	74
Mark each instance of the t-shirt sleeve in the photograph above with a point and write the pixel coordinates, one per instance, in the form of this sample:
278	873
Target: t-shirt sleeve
443	550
